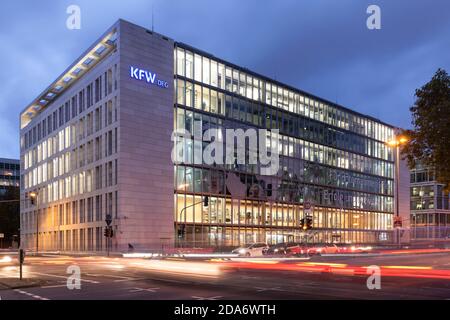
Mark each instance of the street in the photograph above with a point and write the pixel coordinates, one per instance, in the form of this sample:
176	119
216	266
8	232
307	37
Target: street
407	276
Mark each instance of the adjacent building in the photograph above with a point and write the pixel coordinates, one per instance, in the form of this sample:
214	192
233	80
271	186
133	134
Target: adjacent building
430	212
9	174
98	143
9	211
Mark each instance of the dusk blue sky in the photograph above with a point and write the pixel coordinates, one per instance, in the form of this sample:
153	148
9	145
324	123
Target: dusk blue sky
322	47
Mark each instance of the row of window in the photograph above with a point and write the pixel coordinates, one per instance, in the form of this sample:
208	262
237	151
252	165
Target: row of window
9	167
430	219
72	185
210	181
7	181
85	239
69	161
422	191
440	203
72	134
288	146
204	236
79	103
213	101
190	209
92	209
426	175
217	74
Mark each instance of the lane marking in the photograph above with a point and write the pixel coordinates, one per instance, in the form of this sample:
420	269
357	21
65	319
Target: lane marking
206	298
262	289
64	277
130	279
143	289
121	278
55	286
30	294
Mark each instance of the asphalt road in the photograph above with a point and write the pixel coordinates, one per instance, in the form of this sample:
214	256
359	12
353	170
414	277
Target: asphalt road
140	279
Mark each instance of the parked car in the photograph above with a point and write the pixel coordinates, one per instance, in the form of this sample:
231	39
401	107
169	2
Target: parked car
252	250
277	249
323	249
286	248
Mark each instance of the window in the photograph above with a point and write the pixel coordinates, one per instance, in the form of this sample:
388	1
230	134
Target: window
109	81
98	89
180	62
180	92
81	101
206	70
74	106
198	68
189	64
89	95
213	73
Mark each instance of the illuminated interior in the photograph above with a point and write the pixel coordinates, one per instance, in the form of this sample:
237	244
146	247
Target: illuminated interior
94	55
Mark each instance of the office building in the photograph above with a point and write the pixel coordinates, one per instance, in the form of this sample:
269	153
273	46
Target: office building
98	142
9	208
430	213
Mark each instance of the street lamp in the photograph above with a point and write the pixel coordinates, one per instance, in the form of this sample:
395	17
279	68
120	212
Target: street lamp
396	142
34	197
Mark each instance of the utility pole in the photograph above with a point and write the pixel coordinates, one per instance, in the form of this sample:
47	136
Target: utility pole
395	143
108	232
205	202
34	196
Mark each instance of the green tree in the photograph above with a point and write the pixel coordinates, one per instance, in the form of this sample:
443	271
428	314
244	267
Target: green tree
429	140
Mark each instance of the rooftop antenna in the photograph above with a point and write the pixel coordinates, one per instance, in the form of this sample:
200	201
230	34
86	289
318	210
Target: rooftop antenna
337	95
153	28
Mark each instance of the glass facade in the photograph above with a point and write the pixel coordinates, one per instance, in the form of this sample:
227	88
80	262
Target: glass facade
330	156
430	214
69	158
9	176
9	173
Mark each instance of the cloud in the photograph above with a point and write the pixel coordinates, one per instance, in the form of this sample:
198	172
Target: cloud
320	46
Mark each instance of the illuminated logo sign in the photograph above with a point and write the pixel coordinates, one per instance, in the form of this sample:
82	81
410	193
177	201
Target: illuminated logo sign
147	76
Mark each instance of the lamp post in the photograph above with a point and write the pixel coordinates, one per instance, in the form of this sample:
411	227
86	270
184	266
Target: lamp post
396	142
205	202
34	196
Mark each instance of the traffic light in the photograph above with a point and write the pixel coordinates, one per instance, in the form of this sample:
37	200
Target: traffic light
302	224
205	201
306	223
269	190
32	196
108	232
181	231
309	223
21	256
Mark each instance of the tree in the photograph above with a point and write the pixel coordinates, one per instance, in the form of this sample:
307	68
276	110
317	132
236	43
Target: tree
429	140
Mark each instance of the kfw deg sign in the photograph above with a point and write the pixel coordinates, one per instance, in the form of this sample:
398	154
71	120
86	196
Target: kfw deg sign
147	76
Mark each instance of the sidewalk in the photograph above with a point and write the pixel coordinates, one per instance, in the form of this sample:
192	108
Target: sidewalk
15	283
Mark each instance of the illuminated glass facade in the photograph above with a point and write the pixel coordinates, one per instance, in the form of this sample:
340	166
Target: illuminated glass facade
97	143
9	173
430	212
330	156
